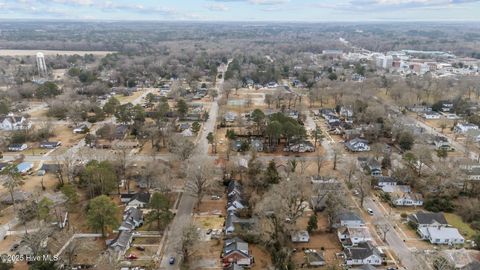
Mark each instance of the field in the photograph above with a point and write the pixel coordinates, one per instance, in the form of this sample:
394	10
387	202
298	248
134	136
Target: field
49	52
462	227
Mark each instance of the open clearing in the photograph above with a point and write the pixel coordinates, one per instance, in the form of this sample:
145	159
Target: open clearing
49	52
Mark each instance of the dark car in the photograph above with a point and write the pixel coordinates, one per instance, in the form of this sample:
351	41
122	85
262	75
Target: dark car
209	231
171	260
140	248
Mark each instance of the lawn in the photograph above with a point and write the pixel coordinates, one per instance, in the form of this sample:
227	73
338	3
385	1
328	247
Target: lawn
463	227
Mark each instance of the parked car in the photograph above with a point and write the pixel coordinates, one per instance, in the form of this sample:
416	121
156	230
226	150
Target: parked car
171	260
370	211
215	197
140	248
209	231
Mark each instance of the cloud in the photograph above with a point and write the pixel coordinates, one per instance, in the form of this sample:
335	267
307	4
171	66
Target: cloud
390	5
216	7
257	2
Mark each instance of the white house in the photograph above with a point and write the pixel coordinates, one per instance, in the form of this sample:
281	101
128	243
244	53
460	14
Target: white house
139	200
17	147
431	115
12	122
441	235
402	195
347	219
386	181
357	145
364	253
352	236
300	237
464	127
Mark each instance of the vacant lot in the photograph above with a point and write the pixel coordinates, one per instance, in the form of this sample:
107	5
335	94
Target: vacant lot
462	227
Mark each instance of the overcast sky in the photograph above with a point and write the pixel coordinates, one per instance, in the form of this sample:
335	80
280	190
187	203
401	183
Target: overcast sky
244	10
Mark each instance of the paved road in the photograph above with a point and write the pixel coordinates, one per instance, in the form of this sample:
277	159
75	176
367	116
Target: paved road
187	202
393	238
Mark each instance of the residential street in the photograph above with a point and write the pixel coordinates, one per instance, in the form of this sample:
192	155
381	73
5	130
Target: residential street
187	202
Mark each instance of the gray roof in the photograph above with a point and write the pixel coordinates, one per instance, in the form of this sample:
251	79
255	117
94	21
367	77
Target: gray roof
428	218
362	251
475	265
123	239
143	197
349	215
235	244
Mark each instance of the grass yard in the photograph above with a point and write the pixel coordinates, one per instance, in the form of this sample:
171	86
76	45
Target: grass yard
463	227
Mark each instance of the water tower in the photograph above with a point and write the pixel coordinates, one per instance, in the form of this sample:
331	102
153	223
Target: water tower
42	67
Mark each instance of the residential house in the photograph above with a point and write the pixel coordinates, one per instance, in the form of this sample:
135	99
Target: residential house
234	188
402	195
364	253
132	219
50	145
423	219
300	146
464	127
357	145
473	134
300	237
431	115
235	251
235	203
120	132
11	122
24	167
17	147
442	143
352	236
230	117
347	219
346	111
419	108
233	222
386	181
314	258
256	144
441	235
371	165
121	243
80	129
321	187
139	200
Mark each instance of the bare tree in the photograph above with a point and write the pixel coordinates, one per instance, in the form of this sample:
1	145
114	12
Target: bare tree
180	146
384	228
320	161
200	175
337	151
349	171
189	239
363	185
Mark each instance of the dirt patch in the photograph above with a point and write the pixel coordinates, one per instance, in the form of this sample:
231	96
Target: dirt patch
209	222
262	258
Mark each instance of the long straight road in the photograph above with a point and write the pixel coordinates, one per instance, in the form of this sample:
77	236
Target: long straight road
393	239
187	202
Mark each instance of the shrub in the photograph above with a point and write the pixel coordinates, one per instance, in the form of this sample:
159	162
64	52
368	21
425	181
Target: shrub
403	215
439	204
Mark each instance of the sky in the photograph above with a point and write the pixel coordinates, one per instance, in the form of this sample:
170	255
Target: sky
244	10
